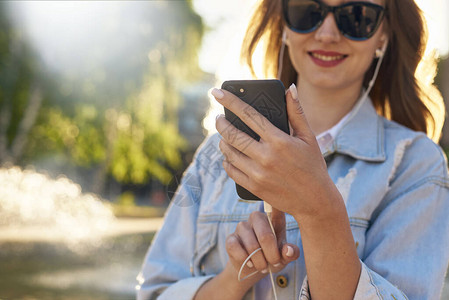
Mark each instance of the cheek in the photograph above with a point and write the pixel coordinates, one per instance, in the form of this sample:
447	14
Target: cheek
294	58
366	57
297	51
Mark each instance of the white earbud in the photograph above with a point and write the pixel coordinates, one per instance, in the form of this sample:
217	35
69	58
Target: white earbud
284	36
378	53
381	51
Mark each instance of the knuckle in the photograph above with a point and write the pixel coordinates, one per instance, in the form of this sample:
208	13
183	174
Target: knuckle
226	157
249	111
258	176
267	238
266	161
299	109
279	142
230	157
254	215
231	243
263	178
252	246
241	226
254	187
230	133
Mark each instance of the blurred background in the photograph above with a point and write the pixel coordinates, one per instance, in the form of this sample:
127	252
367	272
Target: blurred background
102	105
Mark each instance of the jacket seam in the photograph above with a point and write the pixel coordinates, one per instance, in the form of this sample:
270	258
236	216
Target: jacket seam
358	225
216	218
372	283
442	182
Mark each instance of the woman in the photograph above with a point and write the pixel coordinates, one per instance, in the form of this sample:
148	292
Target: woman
360	202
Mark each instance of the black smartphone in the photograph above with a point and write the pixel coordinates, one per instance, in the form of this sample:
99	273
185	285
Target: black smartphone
268	98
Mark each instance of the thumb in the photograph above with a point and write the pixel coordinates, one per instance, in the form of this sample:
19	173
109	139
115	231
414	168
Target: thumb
296	116
290	252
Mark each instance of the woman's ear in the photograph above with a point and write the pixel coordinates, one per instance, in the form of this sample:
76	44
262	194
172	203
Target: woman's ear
382	47
383	39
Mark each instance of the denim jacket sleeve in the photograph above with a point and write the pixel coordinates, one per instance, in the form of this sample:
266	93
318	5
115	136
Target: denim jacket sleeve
407	244
166	272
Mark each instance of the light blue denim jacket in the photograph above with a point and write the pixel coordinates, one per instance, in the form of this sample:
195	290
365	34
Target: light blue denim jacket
396	188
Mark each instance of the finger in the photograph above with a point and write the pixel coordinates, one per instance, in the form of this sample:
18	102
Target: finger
249	241
235	174
266	237
236	158
296	116
278	220
235	137
236	252
249	115
290	252
237	166
289	124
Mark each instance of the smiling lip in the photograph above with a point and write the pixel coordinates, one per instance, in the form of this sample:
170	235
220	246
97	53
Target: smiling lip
327	59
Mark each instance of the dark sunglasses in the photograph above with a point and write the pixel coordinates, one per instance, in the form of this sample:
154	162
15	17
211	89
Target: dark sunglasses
356	20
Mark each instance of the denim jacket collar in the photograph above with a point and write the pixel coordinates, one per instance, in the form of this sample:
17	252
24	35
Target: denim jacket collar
362	134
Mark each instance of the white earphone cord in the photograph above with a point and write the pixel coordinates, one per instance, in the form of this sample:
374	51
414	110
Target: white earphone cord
268	210
376	71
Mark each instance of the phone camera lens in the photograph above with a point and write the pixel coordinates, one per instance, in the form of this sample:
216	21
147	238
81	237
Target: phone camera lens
242	91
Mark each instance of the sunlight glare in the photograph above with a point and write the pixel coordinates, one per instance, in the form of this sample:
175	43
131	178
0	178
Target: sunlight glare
32	200
63	31
436	12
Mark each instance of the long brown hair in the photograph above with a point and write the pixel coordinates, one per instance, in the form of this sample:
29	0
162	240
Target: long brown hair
402	92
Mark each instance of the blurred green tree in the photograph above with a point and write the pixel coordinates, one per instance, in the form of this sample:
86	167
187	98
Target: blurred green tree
20	91
116	111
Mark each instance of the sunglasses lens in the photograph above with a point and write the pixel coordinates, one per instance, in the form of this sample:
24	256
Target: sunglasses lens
358	21
303	15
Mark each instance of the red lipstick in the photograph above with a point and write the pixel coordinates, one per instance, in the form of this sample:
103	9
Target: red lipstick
327	59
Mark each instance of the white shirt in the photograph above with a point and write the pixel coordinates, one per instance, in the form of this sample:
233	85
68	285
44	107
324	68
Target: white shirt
326	138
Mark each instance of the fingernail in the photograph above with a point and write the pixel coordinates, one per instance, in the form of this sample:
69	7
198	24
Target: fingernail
264	271
217	116
217	93
290	251
277	265
294	92
249	264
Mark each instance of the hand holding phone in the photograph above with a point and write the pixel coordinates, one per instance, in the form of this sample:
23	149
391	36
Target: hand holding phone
268	98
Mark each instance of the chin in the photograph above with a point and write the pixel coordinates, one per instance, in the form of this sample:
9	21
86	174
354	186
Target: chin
328	83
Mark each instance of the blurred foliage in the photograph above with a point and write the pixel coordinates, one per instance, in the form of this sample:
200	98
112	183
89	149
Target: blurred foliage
126	199
128	211
116	112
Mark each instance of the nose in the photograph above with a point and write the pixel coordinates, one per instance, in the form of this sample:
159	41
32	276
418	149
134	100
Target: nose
328	31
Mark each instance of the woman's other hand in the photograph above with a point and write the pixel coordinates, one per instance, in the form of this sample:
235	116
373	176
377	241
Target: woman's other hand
249	236
256	233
